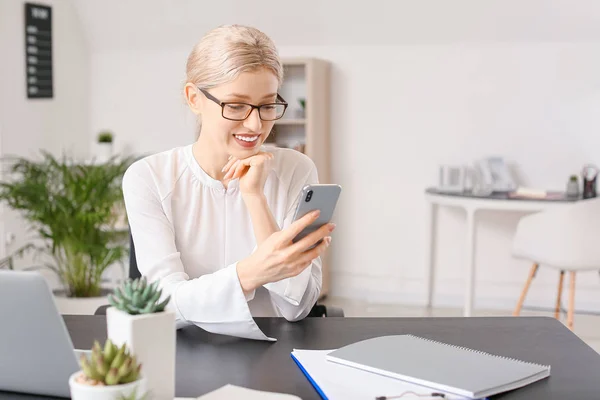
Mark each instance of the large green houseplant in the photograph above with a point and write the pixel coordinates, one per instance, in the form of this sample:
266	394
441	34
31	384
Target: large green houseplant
71	207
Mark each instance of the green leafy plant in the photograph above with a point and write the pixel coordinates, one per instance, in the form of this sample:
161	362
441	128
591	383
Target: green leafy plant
573	178
109	366
137	297
105	137
9	262
302	102
72	209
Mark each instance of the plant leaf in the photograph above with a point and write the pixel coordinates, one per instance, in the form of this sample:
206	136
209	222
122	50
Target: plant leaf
71	209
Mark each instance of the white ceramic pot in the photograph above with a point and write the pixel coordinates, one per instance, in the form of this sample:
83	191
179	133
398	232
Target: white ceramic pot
572	188
80	391
104	151
152	339
79	305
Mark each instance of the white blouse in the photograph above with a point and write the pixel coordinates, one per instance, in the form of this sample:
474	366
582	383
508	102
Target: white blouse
190	232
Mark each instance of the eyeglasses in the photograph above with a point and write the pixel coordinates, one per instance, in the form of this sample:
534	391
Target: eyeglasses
236	111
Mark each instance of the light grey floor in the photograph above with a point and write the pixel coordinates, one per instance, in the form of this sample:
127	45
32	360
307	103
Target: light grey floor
587	327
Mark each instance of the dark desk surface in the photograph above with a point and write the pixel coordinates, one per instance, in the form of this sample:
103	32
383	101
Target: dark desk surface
206	361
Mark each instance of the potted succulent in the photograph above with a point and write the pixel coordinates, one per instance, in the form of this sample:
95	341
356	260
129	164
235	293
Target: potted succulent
105	146
111	373
573	186
137	317
71	209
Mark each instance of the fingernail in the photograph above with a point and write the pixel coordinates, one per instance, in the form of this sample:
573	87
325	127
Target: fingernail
331	227
223	170
229	158
328	240
316	213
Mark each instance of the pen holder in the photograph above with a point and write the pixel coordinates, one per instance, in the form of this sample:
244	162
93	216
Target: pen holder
589	188
589	176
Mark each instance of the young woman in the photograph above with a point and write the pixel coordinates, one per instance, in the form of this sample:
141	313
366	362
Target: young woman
212	221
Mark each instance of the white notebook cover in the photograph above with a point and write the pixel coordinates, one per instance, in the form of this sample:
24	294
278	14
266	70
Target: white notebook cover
458	370
334	381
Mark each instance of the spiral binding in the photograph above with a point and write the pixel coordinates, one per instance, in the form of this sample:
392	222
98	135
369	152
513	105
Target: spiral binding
479	352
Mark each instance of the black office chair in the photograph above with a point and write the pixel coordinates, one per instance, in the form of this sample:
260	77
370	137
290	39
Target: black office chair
317	310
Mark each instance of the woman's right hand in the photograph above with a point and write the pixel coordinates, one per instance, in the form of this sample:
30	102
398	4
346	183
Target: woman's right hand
278	257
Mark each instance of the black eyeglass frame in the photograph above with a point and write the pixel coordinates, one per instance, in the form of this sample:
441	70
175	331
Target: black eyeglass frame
281	101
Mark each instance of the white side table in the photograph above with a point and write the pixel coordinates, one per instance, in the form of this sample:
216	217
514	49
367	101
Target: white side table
471	204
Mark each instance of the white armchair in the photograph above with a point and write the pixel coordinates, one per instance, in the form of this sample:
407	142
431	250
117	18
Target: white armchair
565	238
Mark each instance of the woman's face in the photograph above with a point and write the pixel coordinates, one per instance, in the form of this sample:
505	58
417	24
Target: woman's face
240	139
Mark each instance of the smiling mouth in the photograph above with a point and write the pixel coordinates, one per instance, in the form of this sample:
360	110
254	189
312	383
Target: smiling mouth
247	138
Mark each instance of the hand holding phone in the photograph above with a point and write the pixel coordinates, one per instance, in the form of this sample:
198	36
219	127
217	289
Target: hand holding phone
278	257
288	252
322	197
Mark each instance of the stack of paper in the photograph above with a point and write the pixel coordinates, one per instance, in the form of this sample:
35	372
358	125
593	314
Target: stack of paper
229	392
335	381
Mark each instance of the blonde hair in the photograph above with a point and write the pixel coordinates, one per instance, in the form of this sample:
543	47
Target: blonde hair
229	50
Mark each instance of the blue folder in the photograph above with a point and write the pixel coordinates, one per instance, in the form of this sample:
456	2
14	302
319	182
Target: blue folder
310	379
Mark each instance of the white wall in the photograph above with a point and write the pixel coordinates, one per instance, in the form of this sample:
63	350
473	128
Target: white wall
399	110
138	95
57	124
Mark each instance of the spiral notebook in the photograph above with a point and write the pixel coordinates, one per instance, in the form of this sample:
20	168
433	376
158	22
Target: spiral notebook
334	381
452	369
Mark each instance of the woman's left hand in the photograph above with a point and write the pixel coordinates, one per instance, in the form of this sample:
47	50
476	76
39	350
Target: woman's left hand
251	171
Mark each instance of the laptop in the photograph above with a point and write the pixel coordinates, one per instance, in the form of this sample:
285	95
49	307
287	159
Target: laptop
36	352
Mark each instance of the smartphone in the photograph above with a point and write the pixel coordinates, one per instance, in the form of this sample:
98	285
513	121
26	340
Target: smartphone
321	197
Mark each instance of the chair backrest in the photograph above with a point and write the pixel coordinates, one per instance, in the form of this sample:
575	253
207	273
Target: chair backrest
134	272
561	237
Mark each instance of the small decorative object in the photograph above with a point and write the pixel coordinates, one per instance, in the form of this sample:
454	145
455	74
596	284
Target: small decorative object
480	184
573	186
138	318
302	102
108	374
105	146
589	175
496	173
301	112
452	178
137	297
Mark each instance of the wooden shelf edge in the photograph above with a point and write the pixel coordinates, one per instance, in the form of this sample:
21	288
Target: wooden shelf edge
295	61
290	121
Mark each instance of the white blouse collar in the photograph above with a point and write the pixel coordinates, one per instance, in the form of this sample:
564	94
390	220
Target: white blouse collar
202	176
